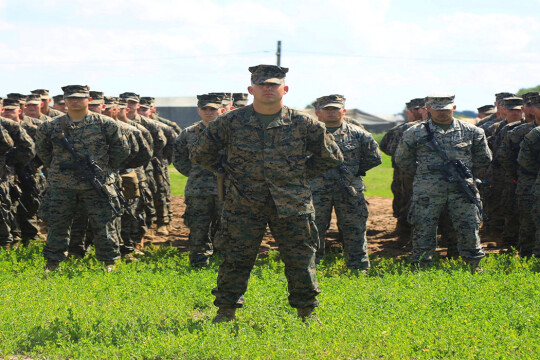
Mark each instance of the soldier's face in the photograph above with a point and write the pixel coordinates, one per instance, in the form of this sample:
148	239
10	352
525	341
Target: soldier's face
535	110
95	108
77	103
11	114
132	107
209	113
331	115
33	110
442	116
60	107
144	111
268	93
513	115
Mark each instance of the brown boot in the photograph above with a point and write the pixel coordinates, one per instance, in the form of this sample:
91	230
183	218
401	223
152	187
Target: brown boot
307	314
224	314
162	230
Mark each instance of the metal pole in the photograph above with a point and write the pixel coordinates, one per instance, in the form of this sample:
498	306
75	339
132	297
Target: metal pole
278	53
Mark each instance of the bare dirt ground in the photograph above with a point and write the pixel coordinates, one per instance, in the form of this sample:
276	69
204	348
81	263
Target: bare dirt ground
382	239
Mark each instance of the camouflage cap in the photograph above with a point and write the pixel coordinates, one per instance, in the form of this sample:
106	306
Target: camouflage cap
147	102
527	96
440	101
59	99
240	99
272	74
122	103
20	97
41	92
333	100
11	104
227	97
97	98
130	96
417	103
211	100
535	100
34	99
486	109
513	103
500	96
81	91
110	101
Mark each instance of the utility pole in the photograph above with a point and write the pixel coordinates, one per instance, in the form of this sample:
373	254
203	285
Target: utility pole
278	53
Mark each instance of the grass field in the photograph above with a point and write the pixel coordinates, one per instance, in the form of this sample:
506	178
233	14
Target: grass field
377	180
159	308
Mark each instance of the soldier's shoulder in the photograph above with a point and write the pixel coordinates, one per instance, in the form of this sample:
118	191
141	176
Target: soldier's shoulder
192	128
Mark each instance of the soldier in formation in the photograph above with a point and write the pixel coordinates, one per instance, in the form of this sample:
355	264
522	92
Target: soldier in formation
341	188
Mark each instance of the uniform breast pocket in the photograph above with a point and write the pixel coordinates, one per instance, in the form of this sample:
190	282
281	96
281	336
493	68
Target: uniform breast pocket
462	148
290	145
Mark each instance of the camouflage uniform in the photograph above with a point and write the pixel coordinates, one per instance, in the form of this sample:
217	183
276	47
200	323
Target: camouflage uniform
266	171
523	188
360	153
6	144
431	193
20	158
100	138
528	160
203	208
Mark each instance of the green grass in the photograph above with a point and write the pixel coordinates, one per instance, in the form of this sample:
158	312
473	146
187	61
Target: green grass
159	308
377	181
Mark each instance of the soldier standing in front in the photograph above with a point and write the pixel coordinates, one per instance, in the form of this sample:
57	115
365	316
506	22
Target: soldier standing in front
432	193
93	136
267	166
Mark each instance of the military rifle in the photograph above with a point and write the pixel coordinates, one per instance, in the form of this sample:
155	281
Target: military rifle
87	170
455	171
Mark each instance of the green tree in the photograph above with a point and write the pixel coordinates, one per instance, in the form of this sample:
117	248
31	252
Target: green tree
523	91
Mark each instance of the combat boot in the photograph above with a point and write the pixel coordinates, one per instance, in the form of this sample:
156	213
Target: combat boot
162	230
474	266
109	266
51	265
307	314
225	314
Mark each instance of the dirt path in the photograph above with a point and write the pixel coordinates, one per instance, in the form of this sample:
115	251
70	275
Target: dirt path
380	232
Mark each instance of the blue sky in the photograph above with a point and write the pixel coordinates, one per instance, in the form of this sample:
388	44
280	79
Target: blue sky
379	54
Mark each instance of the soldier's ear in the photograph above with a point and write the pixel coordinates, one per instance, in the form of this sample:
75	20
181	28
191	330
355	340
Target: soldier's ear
286	89
222	110
250	90
344	111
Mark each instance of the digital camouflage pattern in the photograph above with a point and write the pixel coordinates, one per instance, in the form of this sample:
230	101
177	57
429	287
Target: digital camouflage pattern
266	183
431	193
203	208
524	187
360	153
100	138
273	74
528	160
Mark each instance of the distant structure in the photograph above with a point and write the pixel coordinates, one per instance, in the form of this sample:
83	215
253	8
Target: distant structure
372	122
181	110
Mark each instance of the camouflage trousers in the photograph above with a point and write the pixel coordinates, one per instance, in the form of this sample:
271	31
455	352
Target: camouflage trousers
26	215
352	214
6	215
509	204
162	193
424	216
202	216
63	204
147	193
239	239
132	225
493	193
526	209
81	234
